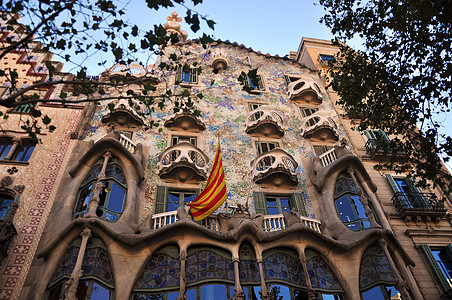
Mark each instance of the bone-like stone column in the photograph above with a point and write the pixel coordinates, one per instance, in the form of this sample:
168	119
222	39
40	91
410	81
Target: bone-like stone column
400	284
311	293
364	200
94	201
264	294
71	285
239	294
16	143
183	280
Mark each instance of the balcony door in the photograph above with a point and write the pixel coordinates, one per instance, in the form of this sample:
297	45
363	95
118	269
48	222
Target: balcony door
407	192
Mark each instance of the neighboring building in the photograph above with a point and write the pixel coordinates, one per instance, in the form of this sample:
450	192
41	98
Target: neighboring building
307	215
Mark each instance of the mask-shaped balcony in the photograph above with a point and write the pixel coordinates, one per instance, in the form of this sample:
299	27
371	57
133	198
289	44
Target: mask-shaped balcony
275	168
123	114
304	91
219	59
264	121
183	162
185	121
319	127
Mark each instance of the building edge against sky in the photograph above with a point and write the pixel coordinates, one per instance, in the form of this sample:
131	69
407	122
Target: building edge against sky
306	210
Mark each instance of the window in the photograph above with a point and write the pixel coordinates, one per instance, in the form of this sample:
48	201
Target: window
5	205
171	200
176	139
377	140
86	289
440	258
257	84
288	79
16	152
326	58
319	150
348	205
277	204
264	147
187	76
307	111
112	196
408	195
254	106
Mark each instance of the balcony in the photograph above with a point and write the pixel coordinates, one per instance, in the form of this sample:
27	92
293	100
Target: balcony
328	157
270	223
7	228
305	91
378	148
319	127
185	120
183	163
418	205
123	115
275	168
264	121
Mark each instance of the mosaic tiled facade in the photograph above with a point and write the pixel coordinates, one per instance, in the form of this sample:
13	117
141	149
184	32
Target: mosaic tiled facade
307	216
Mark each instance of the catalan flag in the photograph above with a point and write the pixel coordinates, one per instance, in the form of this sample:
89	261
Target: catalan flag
214	194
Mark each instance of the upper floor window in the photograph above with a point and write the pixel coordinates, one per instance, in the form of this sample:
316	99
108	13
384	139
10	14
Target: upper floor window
349	207
256	84
111	197
264	147
254	106
5	205
277	204
288	79
19	151
326	58
307	111
171	199
440	259
176	139
189	75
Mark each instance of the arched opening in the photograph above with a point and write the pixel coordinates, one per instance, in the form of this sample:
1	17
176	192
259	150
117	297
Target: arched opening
376	280
112	195
97	281
249	274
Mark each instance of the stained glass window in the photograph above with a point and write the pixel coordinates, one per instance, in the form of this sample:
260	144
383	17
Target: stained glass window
205	264
320	273
375	268
162	271
282	266
248	267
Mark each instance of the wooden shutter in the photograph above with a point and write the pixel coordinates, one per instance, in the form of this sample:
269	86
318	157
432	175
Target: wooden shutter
369	134
392	183
261	85
297	201
436	268
287	80
247	81
179	74
161	199
260	204
384	135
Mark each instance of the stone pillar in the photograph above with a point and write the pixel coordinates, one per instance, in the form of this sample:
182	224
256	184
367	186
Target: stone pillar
16	143
311	293
183	279
239	294
364	200
71	285
94	201
400	284
264	294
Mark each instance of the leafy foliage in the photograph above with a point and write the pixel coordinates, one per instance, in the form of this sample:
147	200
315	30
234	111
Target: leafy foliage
401	83
75	30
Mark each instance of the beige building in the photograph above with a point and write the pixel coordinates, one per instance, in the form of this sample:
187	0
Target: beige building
96	211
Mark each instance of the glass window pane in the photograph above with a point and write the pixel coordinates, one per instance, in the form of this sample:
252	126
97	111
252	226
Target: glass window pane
285	204
116	199
277	292
374	293
191	294
99	292
189	197
213	292
5	202
359	207
82	289
173	201
344	207
4	150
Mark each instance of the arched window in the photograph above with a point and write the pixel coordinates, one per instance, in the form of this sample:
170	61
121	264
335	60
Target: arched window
112	196
97	282
376	280
348	205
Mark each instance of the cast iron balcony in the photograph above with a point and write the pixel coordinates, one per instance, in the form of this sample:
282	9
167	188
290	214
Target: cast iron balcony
265	121
276	168
319	126
418	205
378	148
183	162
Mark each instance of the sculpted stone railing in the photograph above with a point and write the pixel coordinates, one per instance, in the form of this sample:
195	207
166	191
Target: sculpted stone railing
317	121
304	86
190	119
183	152
126	142
328	157
276	158
212	222
262	115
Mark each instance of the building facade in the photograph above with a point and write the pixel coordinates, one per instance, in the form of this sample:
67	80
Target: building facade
96	211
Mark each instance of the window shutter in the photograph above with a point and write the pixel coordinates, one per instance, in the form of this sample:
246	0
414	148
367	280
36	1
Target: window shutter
179	74
161	199
286	80
194	75
436	268
261	85
384	135
392	183
449	251
260	204
298	202
369	134
247	81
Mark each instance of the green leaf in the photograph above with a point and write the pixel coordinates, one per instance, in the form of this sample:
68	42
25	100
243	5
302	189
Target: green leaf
46	120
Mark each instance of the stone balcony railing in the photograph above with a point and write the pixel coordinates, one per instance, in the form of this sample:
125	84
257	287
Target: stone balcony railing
319	126
305	90
187	120
186	156
328	157
418	205
265	121
127	143
270	222
276	166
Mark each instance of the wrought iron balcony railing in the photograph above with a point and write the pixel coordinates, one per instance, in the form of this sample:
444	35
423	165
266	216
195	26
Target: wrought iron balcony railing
418	204
376	147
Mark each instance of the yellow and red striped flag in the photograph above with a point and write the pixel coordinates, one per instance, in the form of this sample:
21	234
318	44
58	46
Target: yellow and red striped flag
214	194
